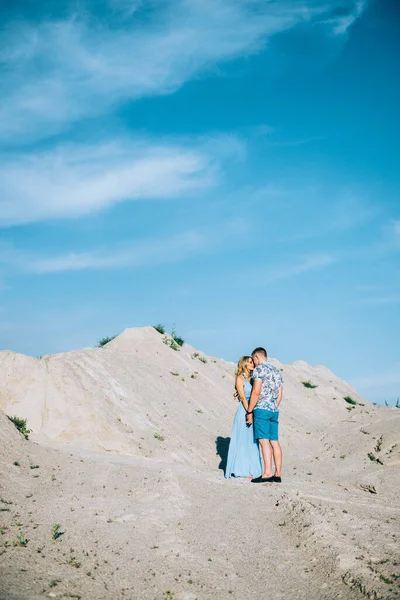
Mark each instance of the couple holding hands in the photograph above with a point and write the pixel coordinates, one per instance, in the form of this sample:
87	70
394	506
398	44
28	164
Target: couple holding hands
255	426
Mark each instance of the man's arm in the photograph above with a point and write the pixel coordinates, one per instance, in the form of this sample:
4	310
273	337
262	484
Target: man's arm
255	392
280	395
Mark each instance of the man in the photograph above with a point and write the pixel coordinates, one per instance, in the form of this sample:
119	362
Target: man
263	411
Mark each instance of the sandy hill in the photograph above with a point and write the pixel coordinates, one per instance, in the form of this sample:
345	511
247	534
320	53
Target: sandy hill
125	455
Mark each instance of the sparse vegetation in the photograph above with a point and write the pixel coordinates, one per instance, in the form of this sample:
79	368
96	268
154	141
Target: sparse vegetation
20	424
386	579
105	340
177	338
73	562
308	384
201	358
379	443
174	373
56	531
373	458
159	437
16	463
160	328
22	541
169	341
173	340
350	400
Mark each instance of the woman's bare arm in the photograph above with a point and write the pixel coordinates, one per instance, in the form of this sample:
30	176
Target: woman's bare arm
240	391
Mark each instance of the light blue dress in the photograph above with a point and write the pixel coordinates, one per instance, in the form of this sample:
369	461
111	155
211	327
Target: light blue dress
243	455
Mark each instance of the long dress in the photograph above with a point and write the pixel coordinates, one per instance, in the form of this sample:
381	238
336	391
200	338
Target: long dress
244	454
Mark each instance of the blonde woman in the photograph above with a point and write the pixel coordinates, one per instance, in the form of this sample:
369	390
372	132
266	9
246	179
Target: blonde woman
243	455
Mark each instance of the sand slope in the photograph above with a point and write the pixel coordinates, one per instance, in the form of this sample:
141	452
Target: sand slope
153	517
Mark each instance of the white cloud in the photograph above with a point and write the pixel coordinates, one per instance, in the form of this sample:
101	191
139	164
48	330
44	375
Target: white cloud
292	269
57	72
133	254
76	180
139	254
351	209
342	23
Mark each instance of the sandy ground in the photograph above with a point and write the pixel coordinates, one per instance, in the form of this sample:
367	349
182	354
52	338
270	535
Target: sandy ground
126	458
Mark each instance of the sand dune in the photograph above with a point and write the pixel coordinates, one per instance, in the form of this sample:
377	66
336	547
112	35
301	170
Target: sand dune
123	455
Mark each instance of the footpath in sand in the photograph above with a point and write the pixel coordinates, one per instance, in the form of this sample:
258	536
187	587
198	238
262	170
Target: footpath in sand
126	453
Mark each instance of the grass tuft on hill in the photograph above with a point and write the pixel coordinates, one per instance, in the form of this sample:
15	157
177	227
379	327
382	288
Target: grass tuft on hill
350	400
160	328
105	340
20	424
308	384
174	341
177	338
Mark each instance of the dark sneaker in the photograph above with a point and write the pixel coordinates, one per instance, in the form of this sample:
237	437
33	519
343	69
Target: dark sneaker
276	479
262	480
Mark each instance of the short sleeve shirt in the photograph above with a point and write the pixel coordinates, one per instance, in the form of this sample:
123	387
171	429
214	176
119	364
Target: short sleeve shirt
271	381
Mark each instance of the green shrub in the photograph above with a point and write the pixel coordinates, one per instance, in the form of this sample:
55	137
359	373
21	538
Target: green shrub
105	340
56	531
201	358
160	328
349	400
20	424
169	341
180	341
373	458
22	541
308	384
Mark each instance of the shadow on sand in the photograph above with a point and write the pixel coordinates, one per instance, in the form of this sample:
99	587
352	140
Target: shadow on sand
222	447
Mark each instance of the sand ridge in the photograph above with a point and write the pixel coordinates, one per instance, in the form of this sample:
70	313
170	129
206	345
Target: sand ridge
123	455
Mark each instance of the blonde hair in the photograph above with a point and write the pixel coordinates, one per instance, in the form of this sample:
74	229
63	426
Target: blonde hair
239	371
241	365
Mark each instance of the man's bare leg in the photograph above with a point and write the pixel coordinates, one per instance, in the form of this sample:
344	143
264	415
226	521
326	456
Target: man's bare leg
277	451
266	451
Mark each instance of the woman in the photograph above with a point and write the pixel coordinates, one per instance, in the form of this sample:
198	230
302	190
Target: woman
243	456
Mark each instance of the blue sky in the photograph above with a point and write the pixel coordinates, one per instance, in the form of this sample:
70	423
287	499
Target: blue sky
231	166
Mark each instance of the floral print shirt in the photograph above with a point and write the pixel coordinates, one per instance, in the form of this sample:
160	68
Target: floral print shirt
271	381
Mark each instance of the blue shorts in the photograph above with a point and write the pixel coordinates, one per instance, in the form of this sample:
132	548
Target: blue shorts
266	424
